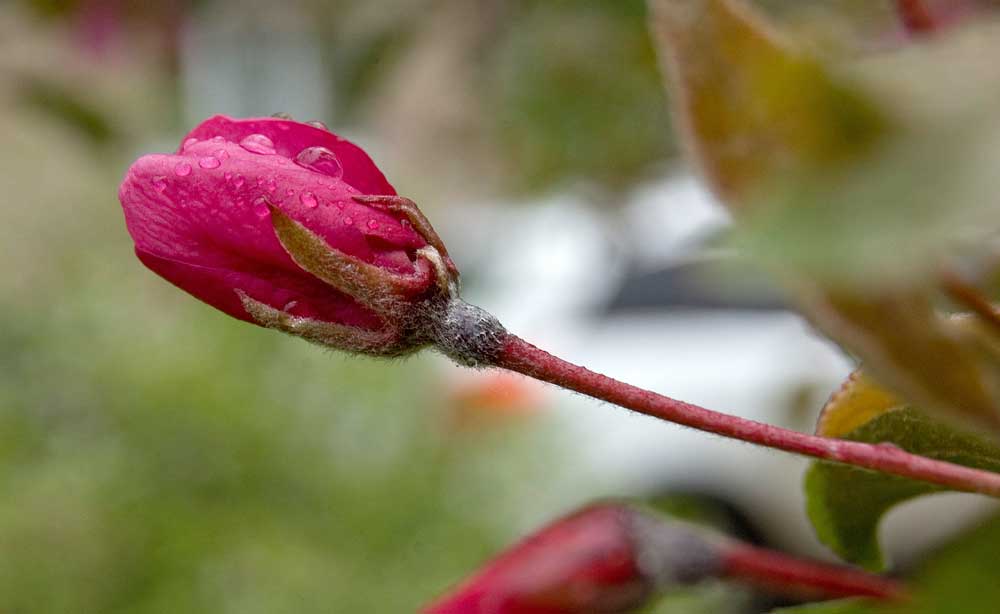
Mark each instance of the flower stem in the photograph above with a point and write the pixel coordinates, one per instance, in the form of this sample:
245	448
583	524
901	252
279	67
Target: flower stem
522	357
807	579
972	297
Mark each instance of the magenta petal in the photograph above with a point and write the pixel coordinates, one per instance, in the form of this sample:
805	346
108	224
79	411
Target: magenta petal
209	216
298	295
291	137
201	219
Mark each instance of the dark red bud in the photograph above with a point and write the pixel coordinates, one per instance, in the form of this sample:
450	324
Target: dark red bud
604	559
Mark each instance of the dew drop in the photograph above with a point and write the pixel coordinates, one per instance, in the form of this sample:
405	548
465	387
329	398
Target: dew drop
281	115
260	182
289	306
321	160
188	143
160	183
309	199
222	154
272	185
318	124
238	181
218	138
260	207
289	192
348	221
372	224
228	176
183	169
209	162
258	144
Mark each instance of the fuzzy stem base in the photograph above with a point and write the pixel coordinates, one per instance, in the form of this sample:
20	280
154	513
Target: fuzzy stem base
520	356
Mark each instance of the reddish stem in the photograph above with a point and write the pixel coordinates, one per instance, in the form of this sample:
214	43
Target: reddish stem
784	574
519	355
916	17
970	296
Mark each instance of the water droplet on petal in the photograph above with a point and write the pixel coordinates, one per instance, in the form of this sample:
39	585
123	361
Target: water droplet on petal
239	181
260	208
258	144
321	160
289	306
372	224
228	176
183	169
160	183
188	143
272	185
209	162
218	138
222	154
282	115
348	221
289	192
309	199
318	124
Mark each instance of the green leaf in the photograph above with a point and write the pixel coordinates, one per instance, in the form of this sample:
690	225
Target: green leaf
922	194
845	504
892	217
840	606
753	106
961	578
924	189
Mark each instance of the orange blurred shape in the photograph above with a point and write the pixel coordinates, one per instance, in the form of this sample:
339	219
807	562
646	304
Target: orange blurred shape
490	398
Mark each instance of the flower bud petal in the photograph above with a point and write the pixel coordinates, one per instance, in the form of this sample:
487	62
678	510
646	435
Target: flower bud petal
205	218
291	137
596	561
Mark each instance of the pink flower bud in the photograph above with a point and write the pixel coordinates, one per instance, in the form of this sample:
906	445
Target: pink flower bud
289	226
604	559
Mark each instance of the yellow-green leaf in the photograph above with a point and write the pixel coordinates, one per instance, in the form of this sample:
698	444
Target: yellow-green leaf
938	363
857	211
859	400
753	107
846	504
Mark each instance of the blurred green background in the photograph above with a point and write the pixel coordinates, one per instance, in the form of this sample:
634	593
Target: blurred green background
157	456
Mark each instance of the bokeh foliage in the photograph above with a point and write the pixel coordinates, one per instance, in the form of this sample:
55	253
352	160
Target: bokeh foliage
156	457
